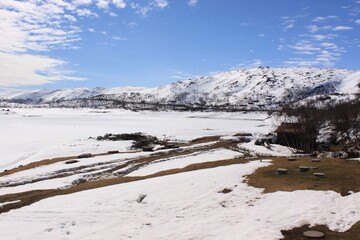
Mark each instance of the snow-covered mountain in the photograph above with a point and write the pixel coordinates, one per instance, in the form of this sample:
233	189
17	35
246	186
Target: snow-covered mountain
256	88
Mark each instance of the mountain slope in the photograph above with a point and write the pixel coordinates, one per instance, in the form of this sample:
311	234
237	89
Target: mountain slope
261	87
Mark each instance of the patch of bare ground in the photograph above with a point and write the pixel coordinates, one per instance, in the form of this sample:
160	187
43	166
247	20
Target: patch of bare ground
341	175
297	233
204	139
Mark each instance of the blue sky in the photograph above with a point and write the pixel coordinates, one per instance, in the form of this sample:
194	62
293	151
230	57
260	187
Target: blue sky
76	43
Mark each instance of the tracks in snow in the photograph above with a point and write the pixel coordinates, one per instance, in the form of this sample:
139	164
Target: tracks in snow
102	173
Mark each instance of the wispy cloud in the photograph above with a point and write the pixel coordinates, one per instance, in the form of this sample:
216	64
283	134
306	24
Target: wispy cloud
193	3
160	3
288	23
151	5
119	3
304	47
120	38
180	75
323	19
31	70
248	64
86	13
30	29
342	28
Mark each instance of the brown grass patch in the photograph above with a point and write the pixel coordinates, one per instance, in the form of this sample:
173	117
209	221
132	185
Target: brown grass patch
205	139
341	175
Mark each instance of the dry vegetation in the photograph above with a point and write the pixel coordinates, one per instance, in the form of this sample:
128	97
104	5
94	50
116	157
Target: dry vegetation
342	175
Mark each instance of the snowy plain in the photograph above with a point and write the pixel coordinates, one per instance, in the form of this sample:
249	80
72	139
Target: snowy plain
189	205
34	134
181	206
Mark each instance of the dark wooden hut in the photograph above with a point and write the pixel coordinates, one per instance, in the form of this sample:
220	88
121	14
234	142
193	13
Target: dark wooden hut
296	135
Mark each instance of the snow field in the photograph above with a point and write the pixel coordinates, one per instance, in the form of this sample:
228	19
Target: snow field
186	160
182	206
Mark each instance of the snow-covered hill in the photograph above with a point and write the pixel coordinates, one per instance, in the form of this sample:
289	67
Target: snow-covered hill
257	88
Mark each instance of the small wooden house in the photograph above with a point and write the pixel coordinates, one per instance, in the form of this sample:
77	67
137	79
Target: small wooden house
296	135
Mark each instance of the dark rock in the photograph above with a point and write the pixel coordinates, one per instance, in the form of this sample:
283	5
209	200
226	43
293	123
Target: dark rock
141	197
304	168
85	155
319	175
282	171
147	148
113	152
71	161
314	234
226	190
78	181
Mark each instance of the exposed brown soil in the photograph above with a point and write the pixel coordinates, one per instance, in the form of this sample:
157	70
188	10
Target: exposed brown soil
341	175
297	233
205	139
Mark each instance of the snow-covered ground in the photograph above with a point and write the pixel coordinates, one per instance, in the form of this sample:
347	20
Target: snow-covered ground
181	206
35	134
269	150
189	205
183	161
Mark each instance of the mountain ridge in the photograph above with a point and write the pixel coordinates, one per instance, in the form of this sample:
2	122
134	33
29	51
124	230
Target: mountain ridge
254	88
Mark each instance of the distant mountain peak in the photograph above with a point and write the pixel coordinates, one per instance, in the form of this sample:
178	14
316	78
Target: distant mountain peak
255	88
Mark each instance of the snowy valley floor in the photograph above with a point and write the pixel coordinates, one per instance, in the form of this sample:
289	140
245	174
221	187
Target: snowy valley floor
220	187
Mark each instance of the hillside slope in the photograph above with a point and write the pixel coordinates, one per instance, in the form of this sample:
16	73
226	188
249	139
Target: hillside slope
256	88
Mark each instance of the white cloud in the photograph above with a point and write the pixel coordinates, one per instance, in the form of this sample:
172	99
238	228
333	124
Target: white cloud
319	37
112	14
246	64
357	21
119	3
120	38
322	19
103	4
86	13
300	62
313	28
144	9
192	3
288	23
342	28
160	3
304	47
82	2
33	26
25	69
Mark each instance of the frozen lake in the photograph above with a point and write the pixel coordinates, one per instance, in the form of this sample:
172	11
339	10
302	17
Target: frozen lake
34	134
